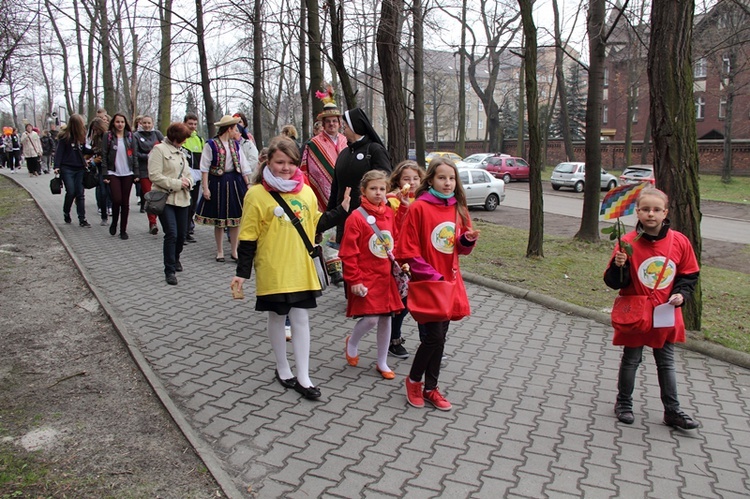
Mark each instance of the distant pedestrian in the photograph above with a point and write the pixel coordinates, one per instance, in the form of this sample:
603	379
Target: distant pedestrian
437	228
404	181
225	176
145	140
121	169
32	150
285	277
70	164
168	171
193	148
13	150
663	262
94	141
48	150
247	141
373	295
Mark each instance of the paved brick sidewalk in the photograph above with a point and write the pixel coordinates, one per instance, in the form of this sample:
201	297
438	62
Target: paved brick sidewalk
532	389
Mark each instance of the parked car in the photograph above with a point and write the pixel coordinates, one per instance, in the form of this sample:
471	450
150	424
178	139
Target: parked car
450	155
482	189
508	168
573	174
478	160
636	174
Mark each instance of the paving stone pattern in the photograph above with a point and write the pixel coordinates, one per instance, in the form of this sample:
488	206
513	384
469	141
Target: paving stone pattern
532	389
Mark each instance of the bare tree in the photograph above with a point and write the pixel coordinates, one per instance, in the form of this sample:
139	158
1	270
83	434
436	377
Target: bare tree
670	76
208	100
419	97
108	84
388	36
313	42
336	11
562	93
165	65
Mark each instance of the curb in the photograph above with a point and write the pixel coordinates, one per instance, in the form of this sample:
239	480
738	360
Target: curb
201	448
694	341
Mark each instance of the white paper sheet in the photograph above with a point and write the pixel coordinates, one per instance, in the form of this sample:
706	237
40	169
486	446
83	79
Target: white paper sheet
664	315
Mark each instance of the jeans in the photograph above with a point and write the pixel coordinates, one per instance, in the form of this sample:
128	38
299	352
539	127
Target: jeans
631	359
174	222
429	354
103	197
73	181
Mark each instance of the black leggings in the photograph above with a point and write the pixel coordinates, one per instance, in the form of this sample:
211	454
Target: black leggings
429	354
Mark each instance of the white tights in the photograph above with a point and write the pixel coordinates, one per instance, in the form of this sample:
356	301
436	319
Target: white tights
365	324
299	320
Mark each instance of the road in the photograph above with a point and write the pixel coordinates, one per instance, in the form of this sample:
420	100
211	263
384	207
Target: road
734	228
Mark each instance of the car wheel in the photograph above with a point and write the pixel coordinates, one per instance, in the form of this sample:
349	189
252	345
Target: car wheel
506	178
611	185
578	187
556	187
491	202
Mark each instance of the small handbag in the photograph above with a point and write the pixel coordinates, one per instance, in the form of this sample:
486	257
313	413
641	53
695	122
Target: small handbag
635	313
315	252
155	201
399	274
56	185
90	177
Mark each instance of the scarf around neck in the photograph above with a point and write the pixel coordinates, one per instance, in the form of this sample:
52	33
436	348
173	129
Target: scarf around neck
441	195
274	183
378	209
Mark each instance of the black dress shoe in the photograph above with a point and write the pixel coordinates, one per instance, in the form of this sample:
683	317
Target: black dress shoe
286	383
84	223
190	239
113	228
178	267
124	235
680	420
67	218
171	279
625	415
310	393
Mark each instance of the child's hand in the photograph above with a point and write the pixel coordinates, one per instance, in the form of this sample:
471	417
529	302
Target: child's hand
471	235
359	290
404	199
620	258
676	300
347	199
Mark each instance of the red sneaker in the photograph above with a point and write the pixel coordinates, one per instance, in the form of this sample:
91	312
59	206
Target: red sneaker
435	398
414	392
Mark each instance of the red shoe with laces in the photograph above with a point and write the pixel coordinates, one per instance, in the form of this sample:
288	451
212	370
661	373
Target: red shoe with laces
435	398
414	391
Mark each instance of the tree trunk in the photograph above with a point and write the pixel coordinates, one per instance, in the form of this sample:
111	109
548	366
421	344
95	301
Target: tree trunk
646	141
388	36
64	52
589	229
48	102
165	66
258	73
520	147
461	148
303	90
336	11
81	61
108	84
313	42
419	132
535	247
208	101
670	77
726	167
562	91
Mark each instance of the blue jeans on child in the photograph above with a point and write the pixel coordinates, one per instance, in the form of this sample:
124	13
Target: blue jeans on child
73	180
631	359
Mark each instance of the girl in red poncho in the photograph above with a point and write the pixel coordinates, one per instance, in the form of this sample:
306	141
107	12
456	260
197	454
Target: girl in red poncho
436	227
653	243
373	294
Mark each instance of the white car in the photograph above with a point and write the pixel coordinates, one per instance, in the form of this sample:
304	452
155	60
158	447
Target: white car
482	189
573	174
478	160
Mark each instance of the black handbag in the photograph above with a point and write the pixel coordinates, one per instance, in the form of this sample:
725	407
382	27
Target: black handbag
90	177
56	185
154	202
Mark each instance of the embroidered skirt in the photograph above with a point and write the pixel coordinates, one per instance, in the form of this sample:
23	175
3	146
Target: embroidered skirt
224	209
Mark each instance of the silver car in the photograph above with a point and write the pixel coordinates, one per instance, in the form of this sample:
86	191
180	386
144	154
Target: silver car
482	189
573	175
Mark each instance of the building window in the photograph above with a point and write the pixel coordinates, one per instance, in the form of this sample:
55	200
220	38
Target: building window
635	113
468	106
606	77
701	68
605	113
700	108
723	107
726	64
480	124
480	106
468	124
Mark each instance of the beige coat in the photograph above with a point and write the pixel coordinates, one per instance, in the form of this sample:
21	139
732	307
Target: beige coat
165	162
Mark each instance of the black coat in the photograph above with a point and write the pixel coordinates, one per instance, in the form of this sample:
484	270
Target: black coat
351	165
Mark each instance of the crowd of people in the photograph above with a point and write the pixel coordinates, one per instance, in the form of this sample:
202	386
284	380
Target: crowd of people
381	222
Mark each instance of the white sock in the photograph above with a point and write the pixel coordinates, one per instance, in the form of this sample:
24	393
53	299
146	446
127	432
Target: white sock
361	328
384	340
300	322
275	330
